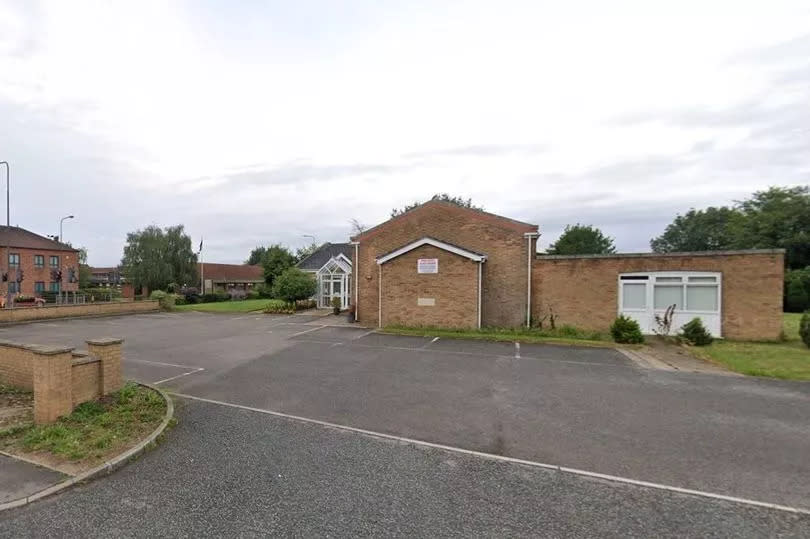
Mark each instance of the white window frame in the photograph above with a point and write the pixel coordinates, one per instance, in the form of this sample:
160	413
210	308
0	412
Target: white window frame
653	276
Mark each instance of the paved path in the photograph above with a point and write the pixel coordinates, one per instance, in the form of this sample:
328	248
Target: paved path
229	472
19	479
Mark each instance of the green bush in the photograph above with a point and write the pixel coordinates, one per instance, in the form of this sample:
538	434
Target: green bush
278	306
252	294
180	299
293	285
804	328
166	300
626	331
797	298
336	304
695	333
213	297
265	291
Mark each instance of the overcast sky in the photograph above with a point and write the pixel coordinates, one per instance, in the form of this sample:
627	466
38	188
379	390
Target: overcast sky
257	122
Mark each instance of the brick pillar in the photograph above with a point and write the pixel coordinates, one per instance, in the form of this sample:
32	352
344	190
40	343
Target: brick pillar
108	350
53	383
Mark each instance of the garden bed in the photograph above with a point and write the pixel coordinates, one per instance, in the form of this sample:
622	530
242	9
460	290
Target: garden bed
95	432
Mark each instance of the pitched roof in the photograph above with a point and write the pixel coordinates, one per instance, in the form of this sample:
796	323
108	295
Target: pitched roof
324	254
473	213
461	251
25	239
231	272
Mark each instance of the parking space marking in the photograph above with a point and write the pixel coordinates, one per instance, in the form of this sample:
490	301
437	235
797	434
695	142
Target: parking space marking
517	350
511	460
178	376
421	349
308	331
165	364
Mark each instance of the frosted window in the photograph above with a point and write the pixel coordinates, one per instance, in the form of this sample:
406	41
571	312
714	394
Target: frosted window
667	279
701	298
634	296
702	279
668	295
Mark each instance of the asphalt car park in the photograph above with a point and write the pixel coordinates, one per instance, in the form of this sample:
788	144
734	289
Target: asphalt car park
411	403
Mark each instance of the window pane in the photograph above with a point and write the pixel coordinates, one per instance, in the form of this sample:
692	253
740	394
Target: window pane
668	279
634	296
702	279
701	298
668	295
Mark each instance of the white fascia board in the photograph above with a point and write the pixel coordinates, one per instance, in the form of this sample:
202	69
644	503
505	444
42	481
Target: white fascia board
346	258
435	243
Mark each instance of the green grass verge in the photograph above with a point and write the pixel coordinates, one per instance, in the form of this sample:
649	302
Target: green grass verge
789	360
243	306
562	335
95	429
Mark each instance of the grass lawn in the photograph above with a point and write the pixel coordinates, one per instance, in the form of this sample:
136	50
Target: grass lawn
243	306
94	432
789	359
562	335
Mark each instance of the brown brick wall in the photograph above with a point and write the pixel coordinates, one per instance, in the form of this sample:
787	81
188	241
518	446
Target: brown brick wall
32	274
505	272
454	290
16	366
584	291
59	378
86	381
22	314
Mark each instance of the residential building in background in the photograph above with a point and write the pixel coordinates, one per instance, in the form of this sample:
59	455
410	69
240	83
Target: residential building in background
228	277
31	264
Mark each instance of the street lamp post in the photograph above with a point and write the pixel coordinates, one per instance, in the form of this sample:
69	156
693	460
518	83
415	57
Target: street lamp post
8	231
308	236
61	261
61	239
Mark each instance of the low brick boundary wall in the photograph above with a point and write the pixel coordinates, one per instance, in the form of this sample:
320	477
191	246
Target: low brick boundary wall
60	378
25	314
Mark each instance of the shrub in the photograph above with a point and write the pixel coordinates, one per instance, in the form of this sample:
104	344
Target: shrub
167	301
278	306
796	297
293	285
265	291
804	328
213	297
695	333
180	299
336	304
304	304
252	294
626	331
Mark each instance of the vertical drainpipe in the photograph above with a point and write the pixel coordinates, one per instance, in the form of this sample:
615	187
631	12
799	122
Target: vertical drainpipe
356	269
379	299
480	263
529	236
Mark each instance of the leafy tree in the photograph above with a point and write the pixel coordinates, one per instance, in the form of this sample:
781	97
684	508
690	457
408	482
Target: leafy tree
698	230
155	257
444	197
256	256
84	269
777	218
582	240
293	285
303	252
277	259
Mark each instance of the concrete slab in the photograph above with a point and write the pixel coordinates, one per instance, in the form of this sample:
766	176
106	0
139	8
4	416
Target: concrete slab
19	479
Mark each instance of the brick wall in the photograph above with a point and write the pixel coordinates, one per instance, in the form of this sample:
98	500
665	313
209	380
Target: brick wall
16	365
505	273
32	274
22	314
583	291
60	378
454	290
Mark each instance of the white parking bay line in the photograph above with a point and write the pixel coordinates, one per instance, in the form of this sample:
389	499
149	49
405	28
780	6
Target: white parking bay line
178	376
512	460
517	350
307	331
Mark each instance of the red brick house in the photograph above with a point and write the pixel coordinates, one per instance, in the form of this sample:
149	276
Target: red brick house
31	264
440	264
226	277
